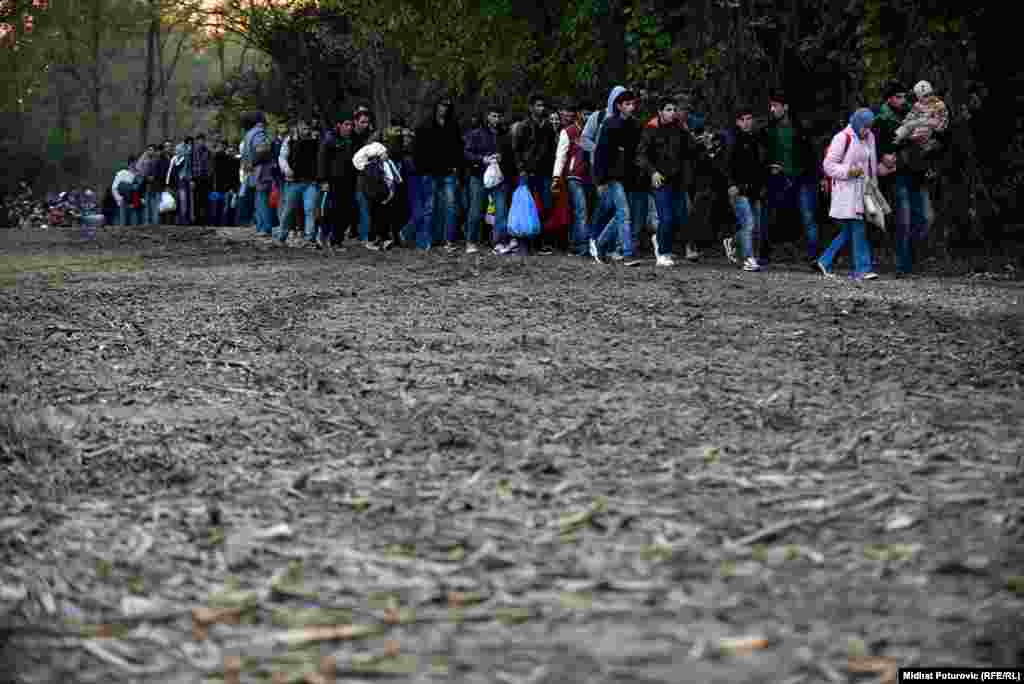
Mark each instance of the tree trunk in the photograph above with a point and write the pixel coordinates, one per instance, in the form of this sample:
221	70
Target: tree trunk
149	93
612	25
96	88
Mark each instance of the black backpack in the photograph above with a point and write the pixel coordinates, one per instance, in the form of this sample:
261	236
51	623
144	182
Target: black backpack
376	184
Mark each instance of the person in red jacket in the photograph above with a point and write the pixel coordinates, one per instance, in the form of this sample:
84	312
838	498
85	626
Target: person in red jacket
572	172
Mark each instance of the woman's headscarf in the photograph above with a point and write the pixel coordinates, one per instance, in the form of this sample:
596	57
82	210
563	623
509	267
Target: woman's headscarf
860	119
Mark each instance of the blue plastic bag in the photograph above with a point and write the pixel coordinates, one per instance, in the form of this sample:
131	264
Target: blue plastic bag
523	218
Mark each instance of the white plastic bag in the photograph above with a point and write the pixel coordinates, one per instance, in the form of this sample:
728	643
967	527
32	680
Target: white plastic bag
167	202
875	205
493	176
368	152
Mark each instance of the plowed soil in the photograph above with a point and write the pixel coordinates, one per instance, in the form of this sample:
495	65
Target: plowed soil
499	469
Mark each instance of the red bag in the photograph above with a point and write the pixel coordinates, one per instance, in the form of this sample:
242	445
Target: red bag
275	197
557	223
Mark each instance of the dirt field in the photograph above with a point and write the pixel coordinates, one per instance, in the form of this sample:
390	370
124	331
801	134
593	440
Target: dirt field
497	470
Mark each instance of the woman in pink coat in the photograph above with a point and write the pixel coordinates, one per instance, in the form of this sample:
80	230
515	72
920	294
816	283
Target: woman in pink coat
849	161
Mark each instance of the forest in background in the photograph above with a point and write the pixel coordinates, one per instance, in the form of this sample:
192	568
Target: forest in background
89	82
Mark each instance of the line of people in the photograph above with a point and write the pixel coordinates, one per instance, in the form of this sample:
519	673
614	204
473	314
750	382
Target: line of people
599	177
605	167
190	183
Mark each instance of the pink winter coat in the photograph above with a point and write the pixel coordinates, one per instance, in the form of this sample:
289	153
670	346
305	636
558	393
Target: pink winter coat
846	151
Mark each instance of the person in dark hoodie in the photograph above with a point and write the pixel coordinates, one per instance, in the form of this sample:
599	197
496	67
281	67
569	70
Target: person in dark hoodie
746	172
617	177
338	180
667	154
438	155
298	163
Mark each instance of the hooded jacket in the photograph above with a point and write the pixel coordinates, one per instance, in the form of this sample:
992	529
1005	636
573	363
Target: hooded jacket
615	155
592	129
438	150
846	151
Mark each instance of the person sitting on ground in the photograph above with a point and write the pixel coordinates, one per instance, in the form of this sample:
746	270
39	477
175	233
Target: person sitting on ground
927	117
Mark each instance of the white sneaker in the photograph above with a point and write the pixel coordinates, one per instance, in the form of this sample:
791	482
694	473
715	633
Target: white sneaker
371	245
691	253
471	248
751	264
870	276
450	248
730	249
654	241
617	256
664	260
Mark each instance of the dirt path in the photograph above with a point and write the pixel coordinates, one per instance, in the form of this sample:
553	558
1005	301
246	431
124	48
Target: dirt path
498	470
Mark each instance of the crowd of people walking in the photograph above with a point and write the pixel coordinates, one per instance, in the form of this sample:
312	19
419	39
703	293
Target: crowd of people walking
597	176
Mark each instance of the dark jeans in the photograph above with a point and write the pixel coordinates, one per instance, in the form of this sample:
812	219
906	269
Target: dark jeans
911	208
202	200
789	192
341	212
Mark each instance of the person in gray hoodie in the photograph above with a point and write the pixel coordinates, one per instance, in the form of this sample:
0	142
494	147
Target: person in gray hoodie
604	211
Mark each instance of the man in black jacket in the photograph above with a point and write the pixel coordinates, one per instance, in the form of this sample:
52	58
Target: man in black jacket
667	155
298	162
536	141
746	171
438	156
338	181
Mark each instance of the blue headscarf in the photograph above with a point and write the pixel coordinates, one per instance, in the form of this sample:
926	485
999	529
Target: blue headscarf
861	118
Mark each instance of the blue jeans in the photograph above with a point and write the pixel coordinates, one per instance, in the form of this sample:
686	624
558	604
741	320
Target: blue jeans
413	192
264	214
184	203
580	229
363	205
298	196
151	212
748	224
478	198
851	230
542	186
627	206
795	191
673	210
911	208
438	204
129	216
215	215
